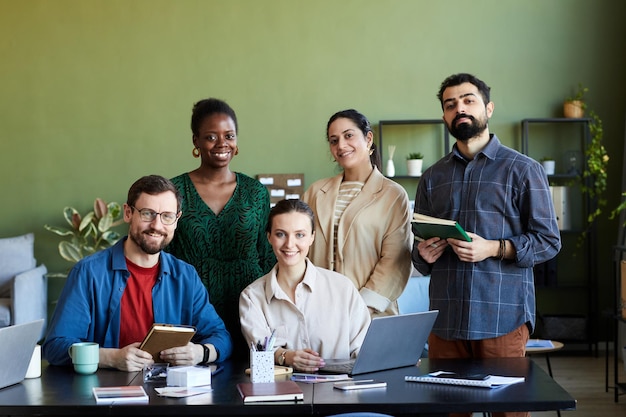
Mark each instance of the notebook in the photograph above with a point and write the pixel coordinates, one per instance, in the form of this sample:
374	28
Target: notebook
390	342
17	344
476	380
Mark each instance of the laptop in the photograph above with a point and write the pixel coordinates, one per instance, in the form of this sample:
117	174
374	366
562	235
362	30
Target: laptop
390	342
17	344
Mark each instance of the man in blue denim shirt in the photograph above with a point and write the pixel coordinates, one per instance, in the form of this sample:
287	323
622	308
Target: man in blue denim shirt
484	289
113	297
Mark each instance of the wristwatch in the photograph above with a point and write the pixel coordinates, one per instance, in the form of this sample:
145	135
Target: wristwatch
281	358
207	354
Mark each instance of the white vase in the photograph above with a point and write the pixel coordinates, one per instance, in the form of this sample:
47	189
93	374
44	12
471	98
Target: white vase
390	170
549	166
414	167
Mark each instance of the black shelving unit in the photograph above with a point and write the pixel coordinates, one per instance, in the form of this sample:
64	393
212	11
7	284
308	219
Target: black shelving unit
382	123
583	283
617	317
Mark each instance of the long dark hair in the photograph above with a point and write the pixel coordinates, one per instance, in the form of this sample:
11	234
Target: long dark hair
364	126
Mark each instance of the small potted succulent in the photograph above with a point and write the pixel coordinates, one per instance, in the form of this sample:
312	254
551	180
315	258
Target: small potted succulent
414	162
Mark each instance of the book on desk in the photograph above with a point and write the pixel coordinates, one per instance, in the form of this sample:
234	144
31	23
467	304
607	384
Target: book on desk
120	395
270	391
425	227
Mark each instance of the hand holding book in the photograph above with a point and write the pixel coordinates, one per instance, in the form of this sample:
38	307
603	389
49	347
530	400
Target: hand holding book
166	336
426	227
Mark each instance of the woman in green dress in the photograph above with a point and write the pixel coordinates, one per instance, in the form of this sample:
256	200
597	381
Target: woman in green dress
222	228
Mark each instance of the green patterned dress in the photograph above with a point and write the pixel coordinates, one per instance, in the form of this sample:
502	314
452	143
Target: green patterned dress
229	250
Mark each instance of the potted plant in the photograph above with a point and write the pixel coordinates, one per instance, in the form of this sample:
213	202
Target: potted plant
574	106
89	233
548	164
597	161
414	162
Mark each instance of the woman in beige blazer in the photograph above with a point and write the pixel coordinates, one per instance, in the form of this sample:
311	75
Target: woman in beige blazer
362	218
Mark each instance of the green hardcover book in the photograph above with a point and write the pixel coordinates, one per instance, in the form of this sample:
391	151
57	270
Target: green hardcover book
425	227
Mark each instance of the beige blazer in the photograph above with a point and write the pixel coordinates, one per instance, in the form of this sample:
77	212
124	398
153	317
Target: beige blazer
374	238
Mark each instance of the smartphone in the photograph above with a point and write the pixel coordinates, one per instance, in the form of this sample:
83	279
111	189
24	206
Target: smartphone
362	384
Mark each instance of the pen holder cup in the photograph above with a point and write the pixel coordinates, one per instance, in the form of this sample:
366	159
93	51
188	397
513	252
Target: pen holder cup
261	366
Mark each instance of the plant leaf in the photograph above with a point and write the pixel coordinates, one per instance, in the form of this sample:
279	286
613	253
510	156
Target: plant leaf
58	230
72	217
105	223
99	208
70	252
86	221
115	209
111	237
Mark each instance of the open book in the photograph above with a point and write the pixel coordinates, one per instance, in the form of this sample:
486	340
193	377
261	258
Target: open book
425	227
474	380
165	336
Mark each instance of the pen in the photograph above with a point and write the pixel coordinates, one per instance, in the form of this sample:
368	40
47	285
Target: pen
269	344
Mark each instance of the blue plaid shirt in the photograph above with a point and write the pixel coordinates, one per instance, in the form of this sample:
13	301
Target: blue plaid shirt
500	194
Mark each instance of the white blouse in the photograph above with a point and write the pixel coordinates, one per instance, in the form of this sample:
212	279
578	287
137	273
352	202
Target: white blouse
329	316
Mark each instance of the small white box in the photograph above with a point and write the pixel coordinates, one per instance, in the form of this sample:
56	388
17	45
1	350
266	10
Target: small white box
188	376
261	366
277	193
294	182
266	180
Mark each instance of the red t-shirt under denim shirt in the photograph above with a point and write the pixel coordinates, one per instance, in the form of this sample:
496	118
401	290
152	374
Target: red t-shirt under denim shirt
137	315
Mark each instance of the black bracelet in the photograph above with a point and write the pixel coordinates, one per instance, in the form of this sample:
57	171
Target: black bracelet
207	354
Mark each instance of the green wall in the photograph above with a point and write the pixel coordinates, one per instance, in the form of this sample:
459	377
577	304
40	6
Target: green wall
94	94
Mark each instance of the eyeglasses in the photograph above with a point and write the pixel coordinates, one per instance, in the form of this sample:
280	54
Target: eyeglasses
147	215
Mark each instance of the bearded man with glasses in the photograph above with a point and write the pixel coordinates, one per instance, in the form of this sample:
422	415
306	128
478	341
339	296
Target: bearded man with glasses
114	296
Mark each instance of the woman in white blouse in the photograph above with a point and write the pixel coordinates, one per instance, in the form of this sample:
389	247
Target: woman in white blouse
314	313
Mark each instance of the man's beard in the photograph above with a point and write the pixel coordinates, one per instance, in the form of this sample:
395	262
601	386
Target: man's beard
467	130
149	248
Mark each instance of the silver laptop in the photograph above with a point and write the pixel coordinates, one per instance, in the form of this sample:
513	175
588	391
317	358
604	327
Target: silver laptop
390	342
17	344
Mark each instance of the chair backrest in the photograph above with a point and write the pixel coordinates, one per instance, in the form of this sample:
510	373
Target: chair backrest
16	255
414	298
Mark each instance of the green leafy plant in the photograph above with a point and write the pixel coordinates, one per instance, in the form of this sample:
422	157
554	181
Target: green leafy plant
89	233
597	161
579	95
415	155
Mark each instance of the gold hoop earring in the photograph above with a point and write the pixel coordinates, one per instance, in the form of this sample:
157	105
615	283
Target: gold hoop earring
371	151
196	152
236	150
